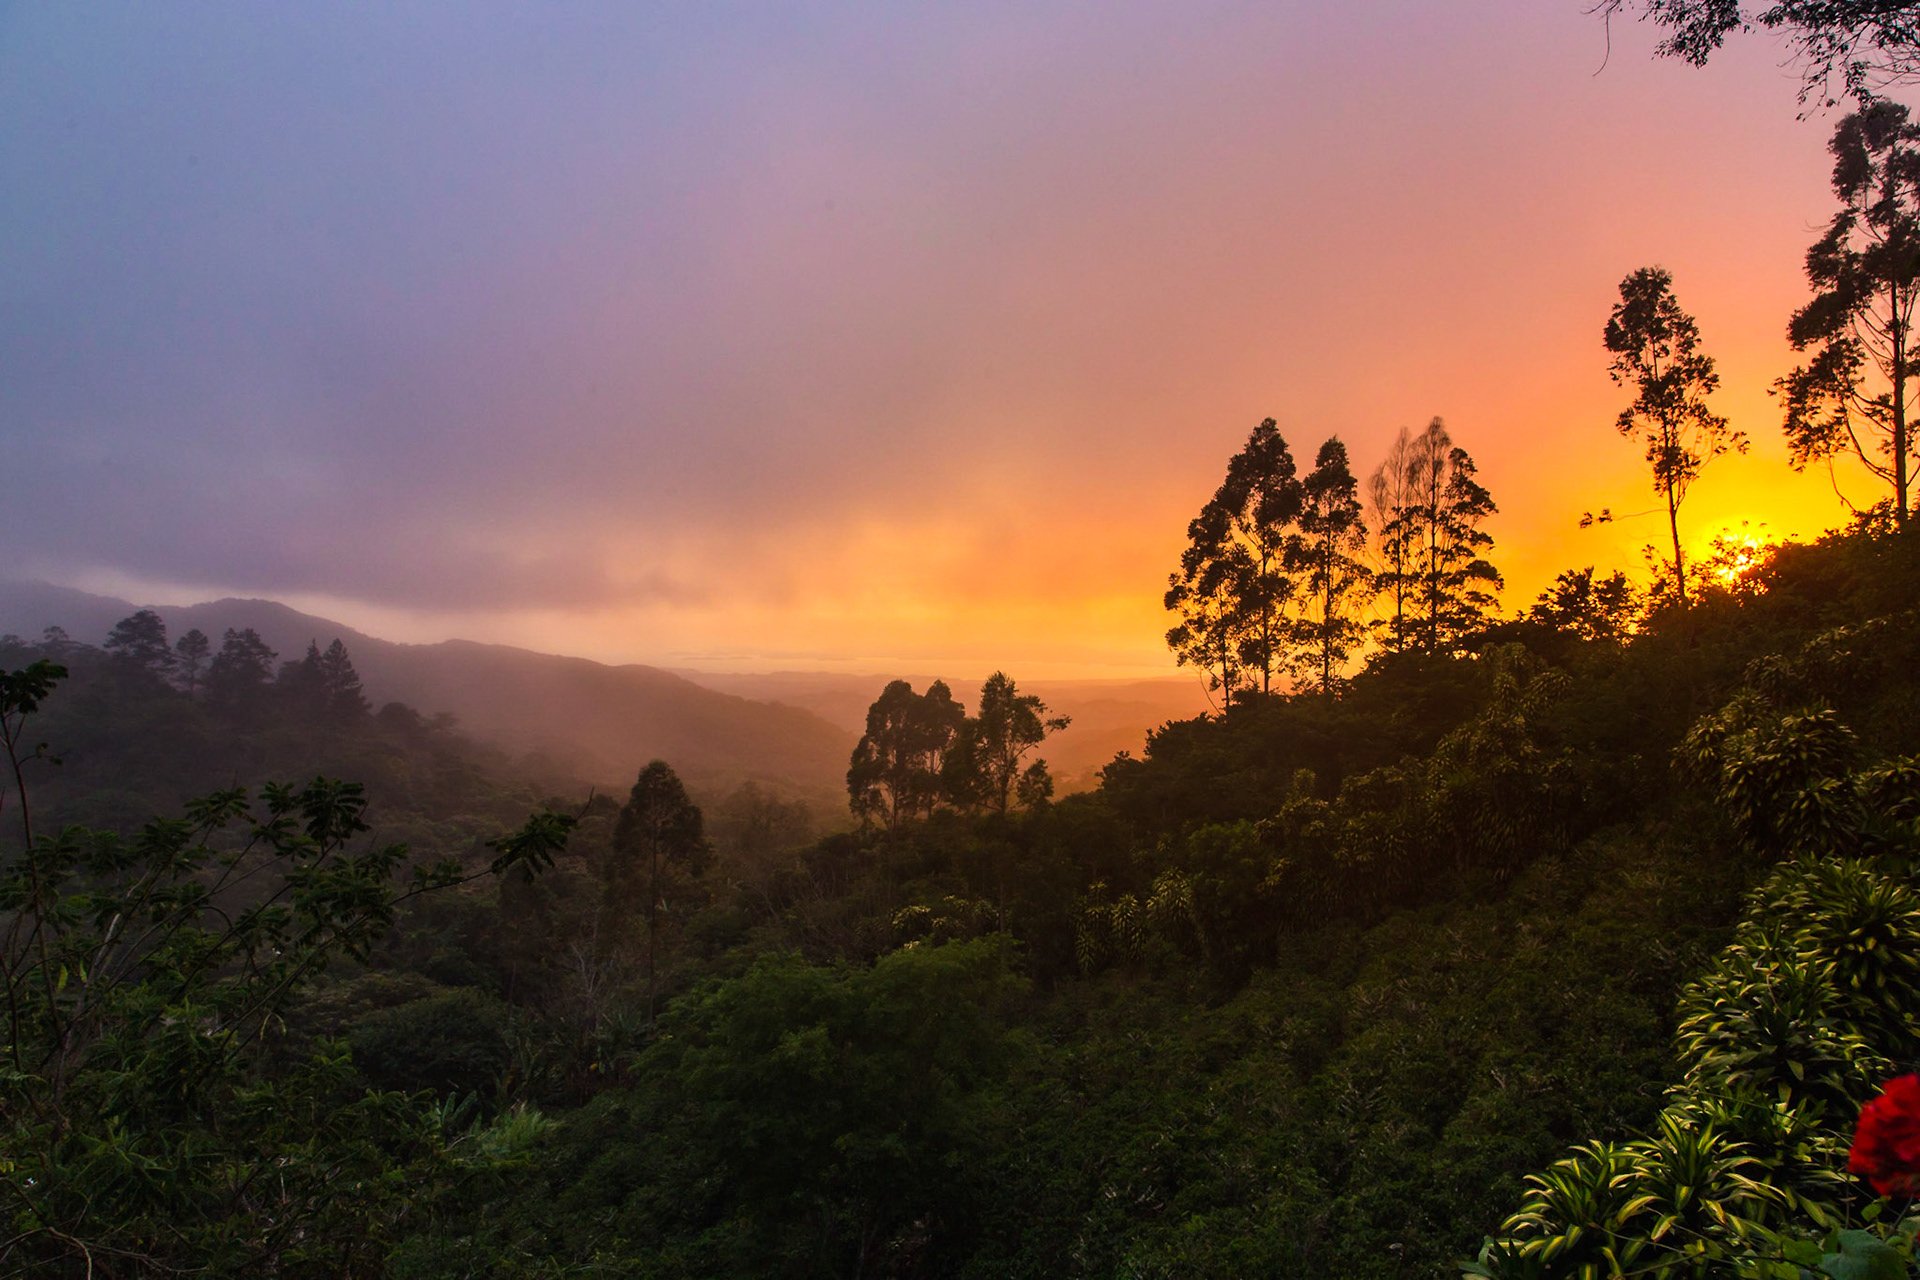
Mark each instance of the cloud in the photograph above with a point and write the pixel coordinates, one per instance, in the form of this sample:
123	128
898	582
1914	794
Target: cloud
917	323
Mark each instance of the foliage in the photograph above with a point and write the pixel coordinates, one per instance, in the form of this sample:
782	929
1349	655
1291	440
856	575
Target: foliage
1852	397
1780	1043
922	751
1334	580
1869	44
1233	587
660	832
1656	350
1009	726
898	765
141	639
147	1124
1600	610
1428	510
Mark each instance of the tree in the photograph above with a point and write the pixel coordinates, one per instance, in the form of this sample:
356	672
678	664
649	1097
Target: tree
660	832
340	683
1460	582
1204	591
1232	589
190	659
241	669
141	639
1656	350
1576	603
1852	397
1391	494
1333	579
299	683
1872	44
154	1117
1010	725
753	824
899	767
1437	572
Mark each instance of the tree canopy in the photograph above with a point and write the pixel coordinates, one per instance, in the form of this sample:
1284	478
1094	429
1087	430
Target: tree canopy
1869	45
1656	351
1853	397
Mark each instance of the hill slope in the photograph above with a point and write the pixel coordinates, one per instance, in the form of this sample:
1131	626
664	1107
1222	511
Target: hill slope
602	721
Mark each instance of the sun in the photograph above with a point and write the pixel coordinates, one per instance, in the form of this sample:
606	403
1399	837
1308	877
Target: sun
1737	553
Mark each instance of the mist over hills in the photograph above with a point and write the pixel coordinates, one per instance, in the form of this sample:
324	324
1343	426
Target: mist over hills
602	722
790	729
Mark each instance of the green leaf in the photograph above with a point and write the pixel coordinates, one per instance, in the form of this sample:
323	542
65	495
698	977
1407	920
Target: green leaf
1864	1256
1805	1252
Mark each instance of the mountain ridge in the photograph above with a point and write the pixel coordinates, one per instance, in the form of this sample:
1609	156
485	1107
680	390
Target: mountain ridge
601	720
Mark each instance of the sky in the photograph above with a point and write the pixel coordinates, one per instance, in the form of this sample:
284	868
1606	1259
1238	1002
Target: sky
848	336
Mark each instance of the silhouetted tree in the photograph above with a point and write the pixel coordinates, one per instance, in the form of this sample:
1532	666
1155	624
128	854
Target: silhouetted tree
1035	787
1460	583
898	770
1871	44
1205	593
1656	350
300	685
141	639
1441	581
1580	605
341	683
190	659
1852	396
1391	494
659	832
1010	725
1333	580
1232	587
241	669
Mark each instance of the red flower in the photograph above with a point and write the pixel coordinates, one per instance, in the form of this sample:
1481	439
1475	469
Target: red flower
1886	1146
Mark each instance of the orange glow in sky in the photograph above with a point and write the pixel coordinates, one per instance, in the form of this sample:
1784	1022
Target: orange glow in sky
895	339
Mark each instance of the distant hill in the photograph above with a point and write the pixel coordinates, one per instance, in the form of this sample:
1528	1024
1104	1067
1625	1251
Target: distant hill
603	722
1109	716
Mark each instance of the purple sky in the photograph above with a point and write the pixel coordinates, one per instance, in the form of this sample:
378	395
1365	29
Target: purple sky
872	335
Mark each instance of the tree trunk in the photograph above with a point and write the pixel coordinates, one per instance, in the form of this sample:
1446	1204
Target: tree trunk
653	924
1679	566
1900	427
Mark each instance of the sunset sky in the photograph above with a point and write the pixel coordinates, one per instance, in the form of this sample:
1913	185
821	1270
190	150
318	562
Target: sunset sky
858	337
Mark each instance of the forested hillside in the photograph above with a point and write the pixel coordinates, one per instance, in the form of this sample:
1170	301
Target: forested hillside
586	718
1311	987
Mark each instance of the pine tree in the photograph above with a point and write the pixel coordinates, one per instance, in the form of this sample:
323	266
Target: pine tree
340	683
300	684
241	669
141	639
1391	492
190	659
